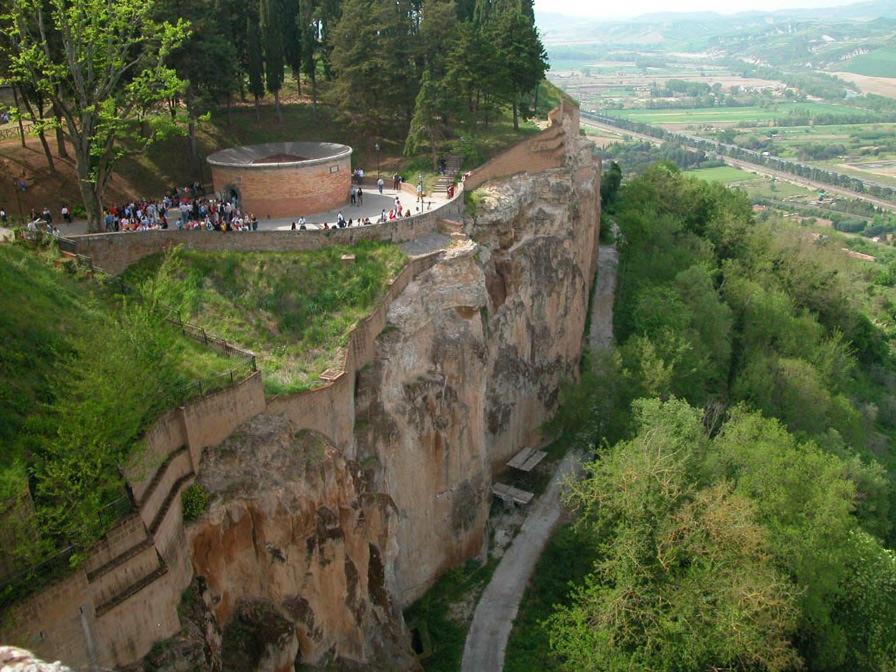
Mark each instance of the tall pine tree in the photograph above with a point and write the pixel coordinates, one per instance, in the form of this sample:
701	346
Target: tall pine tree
254	58
272	35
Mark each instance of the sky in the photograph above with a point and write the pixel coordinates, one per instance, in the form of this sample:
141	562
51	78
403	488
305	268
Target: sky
631	8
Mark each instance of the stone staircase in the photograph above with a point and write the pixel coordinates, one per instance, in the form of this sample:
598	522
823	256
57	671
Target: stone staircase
128	560
452	167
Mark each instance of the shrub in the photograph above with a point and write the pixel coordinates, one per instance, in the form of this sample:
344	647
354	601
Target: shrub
194	500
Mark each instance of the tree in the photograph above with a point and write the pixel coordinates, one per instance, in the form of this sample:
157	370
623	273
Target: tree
292	40
272	36
373	87
308	45
520	49
255	60
206	61
686	581
106	79
427	123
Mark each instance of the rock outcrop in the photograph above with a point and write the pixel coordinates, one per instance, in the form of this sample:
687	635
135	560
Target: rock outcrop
472	360
291	552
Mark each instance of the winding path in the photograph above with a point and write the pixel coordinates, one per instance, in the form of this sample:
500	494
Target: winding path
497	608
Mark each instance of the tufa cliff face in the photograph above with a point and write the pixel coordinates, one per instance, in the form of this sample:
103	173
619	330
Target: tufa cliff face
472	359
291	552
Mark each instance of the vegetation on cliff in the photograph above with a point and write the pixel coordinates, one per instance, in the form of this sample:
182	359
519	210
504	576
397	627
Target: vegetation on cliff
293	309
83	373
742	518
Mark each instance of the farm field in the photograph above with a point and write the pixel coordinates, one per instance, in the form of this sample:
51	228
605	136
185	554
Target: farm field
882	86
723	174
730	115
881	170
757	186
877	63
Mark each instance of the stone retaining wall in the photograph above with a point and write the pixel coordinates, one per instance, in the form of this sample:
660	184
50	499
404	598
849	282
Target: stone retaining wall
114	252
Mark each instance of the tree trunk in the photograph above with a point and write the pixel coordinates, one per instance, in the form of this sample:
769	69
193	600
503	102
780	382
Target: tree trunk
277	106
314	93
15	98
40	134
60	142
257	112
191	130
298	76
516	115
90	190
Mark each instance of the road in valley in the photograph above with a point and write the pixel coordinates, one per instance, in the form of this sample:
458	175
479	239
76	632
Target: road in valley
756	168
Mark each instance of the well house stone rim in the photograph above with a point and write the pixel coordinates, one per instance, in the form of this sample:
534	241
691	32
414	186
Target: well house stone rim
244	157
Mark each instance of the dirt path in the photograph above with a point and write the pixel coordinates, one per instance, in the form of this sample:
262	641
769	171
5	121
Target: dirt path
494	615
600	336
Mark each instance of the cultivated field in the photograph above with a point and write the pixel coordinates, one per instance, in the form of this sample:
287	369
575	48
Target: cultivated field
719	116
877	63
882	86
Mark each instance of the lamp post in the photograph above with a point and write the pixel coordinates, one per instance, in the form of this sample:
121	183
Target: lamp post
377	148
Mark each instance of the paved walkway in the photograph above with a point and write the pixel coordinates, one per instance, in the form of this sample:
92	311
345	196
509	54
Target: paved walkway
373	206
600	336
497	608
494	615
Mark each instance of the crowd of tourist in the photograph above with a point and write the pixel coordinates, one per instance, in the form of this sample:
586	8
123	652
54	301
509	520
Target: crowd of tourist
190	208
182	208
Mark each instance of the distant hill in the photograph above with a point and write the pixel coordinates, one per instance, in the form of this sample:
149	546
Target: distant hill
700	30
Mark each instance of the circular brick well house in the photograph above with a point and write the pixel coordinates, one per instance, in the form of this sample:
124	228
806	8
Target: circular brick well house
284	179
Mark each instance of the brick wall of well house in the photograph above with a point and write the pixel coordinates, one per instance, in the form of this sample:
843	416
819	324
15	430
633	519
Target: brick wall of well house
288	190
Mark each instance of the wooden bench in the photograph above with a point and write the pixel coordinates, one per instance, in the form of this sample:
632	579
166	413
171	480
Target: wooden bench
509	494
526	459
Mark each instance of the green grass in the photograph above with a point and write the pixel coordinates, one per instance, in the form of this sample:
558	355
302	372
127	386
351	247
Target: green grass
729	115
82	376
756	186
443	631
566	560
293	309
724	174
877	63
45	312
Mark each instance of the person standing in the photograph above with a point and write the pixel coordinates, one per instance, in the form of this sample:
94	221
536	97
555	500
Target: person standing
360	197
66	214
4	218
380	184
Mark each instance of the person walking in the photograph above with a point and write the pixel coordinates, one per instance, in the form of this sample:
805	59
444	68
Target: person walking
360	197
380	184
66	214
4	218
353	195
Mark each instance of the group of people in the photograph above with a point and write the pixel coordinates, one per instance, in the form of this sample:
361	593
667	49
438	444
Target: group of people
185	208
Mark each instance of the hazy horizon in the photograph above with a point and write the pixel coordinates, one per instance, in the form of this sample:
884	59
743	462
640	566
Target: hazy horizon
635	8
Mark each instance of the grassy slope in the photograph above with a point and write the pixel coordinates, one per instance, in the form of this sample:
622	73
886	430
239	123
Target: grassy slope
294	310
878	63
45	311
